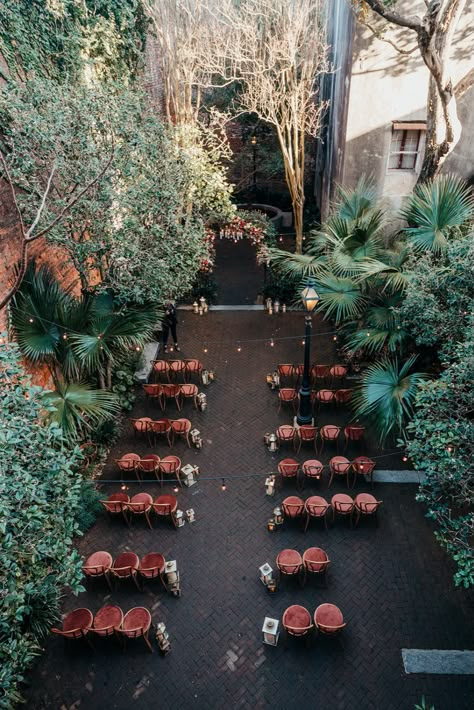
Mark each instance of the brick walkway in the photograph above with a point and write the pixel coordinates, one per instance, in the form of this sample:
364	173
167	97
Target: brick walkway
393	583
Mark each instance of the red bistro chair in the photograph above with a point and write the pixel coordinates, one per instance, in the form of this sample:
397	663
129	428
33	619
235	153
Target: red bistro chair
353	432
337	372
181	427
154	392
98	565
165	506
117	504
316	507
136	623
297	622
312	470
289	469
170	466
141	426
172	391
307	433
315	561
286	371
192	367
76	625
287	395
129	464
125	566
343	396
189	391
365	505
324	397
160	368
150	464
342	504
286	434
363	466
176	368
293	508
289	564
328	619
329	432
339	466
152	566
160	427
319	373
107	621
139	505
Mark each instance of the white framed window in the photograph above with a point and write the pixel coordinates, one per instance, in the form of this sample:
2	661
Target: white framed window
405	145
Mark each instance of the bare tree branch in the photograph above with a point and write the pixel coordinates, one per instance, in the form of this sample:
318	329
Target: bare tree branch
412	22
382	38
28	237
464	84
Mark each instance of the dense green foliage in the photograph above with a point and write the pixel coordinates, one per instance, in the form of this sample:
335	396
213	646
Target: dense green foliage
410	300
40	497
105	38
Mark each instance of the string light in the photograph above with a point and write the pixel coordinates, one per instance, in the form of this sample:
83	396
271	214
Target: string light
64	336
334	337
205	349
175	488
272	343
223	486
303	342
31	320
138	348
368	334
239	348
99	337
405	458
449	449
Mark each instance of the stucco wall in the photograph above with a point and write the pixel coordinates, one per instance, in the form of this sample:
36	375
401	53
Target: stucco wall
387	86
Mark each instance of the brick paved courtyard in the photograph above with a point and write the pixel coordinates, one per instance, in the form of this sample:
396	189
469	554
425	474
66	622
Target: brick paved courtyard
393	583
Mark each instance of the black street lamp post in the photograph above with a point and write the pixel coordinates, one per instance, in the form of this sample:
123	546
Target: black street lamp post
310	300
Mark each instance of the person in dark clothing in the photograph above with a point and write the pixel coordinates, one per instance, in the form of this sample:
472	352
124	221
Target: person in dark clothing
169	323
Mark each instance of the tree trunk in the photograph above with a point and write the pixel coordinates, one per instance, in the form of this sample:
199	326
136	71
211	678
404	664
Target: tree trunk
109	374
298	222
101	380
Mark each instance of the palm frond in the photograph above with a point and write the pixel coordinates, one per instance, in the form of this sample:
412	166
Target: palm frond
434	209
296	266
353	203
340	297
78	407
386	395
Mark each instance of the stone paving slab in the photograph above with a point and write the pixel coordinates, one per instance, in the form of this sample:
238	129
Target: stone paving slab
444	662
392	582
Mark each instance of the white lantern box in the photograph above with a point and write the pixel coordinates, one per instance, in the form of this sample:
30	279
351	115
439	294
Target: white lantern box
266	573
180	518
196	439
191	515
189	474
270	485
270	631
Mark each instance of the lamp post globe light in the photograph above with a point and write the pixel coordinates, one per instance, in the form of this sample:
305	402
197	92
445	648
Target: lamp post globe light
310	300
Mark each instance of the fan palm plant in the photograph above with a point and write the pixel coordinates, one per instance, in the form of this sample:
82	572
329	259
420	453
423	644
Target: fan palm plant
386	395
382	328
76	408
435	210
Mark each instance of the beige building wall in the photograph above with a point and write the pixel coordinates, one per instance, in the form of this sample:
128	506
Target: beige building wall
387	86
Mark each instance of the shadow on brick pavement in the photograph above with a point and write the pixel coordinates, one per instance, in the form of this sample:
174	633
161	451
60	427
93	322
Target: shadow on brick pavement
393	583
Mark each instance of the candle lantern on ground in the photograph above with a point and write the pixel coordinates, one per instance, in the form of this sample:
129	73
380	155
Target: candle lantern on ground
195	307
189	474
172	578
191	515
271	525
179	519
276	306
272	443
205	377
162	637
196	439
270	485
270	631
278	513
266	574
202	401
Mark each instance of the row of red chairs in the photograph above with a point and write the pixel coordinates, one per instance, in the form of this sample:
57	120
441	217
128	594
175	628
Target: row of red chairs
163	392
151	463
126	566
141	505
108	621
317	372
287	434
289	395
172	369
328	620
316	507
291	564
339	466
169	428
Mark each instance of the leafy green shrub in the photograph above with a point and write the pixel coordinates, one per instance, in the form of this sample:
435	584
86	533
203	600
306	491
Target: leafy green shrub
40	497
89	508
106	433
123	387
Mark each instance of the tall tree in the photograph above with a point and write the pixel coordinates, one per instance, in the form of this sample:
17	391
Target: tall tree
278	51
433	34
